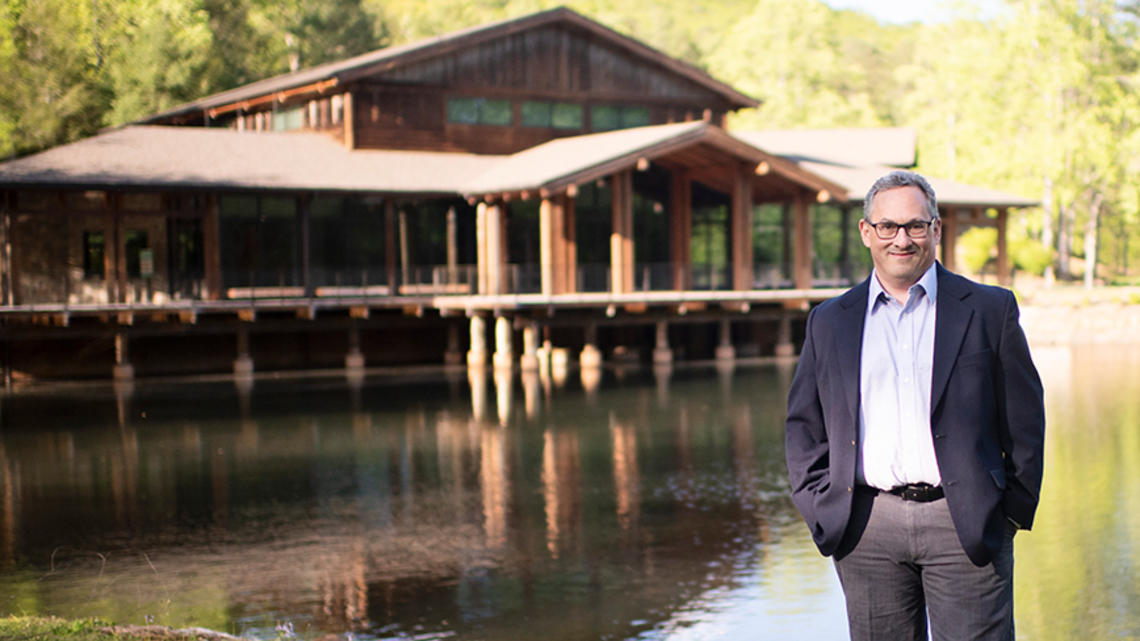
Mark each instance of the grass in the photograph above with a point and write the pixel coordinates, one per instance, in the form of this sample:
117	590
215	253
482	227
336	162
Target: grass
24	628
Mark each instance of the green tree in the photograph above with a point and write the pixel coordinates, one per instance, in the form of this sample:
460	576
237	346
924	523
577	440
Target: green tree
51	83
161	58
787	55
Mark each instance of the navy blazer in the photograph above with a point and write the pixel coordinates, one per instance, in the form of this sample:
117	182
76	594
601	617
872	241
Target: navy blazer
987	414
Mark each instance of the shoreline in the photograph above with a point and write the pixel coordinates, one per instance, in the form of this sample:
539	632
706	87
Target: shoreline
1071	315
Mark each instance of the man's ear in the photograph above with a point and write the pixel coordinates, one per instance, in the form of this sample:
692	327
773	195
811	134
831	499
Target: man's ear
865	232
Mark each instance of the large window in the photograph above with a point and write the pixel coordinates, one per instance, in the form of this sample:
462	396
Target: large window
479	111
135	243
94	254
289	119
609	117
555	115
260	241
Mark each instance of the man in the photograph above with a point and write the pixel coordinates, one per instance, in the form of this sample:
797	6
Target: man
915	433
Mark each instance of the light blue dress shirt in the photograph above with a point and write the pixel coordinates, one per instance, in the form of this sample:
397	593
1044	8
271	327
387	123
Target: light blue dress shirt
895	442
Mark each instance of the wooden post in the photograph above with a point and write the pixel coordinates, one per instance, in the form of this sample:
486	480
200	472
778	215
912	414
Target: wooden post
570	234
681	232
742	228
845	243
212	242
1004	271
546	249
621	238
390	245
802	242
349	121
481	264
304	203
949	218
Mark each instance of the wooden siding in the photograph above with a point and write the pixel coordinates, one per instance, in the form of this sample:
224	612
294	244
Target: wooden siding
557	60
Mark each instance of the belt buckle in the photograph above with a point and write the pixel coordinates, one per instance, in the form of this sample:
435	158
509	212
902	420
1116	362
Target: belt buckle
914	493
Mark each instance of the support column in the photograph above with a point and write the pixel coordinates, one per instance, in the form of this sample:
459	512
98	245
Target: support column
742	229
725	352
621	238
662	353
1004	273
845	243
354	359
243	364
390	255
569	245
453	356
123	370
681	229
477	353
547	251
528	362
949	237
803	243
211	242
494	249
591	357
784	345
504	351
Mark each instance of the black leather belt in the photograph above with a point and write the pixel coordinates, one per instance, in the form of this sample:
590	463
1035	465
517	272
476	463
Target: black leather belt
919	492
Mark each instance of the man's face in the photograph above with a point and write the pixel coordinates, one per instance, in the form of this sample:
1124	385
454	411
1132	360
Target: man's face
901	260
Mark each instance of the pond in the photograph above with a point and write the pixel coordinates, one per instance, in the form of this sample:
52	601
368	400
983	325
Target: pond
638	504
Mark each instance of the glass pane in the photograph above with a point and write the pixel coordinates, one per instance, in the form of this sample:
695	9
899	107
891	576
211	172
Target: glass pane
135	241
634	117
288	119
495	112
536	114
93	248
463	110
604	118
567	116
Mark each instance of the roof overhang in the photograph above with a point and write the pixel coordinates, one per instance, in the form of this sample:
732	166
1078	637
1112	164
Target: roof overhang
558	165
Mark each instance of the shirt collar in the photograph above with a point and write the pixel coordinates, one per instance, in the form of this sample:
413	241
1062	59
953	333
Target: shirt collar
928	282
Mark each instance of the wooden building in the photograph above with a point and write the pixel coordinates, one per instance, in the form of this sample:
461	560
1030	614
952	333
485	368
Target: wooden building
545	173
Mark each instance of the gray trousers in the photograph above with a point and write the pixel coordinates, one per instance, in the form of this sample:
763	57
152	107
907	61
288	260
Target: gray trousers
902	563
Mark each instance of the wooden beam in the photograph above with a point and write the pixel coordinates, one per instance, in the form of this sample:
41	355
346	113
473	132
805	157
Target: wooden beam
621	238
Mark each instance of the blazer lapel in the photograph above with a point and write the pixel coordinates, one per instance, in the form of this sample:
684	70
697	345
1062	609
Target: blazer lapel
952	318
848	331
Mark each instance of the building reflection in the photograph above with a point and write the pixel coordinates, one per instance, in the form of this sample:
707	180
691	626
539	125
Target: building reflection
561	488
627	477
356	508
495	484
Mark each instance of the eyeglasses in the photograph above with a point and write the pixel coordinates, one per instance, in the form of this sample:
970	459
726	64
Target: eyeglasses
888	229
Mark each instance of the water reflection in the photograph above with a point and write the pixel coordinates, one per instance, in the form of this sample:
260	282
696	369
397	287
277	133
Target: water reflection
649	505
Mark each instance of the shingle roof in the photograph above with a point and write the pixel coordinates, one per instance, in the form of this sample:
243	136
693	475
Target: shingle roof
148	156
194	157
858	180
392	57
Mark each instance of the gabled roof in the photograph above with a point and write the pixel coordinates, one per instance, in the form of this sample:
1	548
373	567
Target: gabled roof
197	157
891	146
556	164
858	180
324	77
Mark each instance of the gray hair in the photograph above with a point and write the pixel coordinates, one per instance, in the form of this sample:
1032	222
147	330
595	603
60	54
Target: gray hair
901	178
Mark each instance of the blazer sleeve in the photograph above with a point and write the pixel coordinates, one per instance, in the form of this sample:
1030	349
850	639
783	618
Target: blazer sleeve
1022	422
805	435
